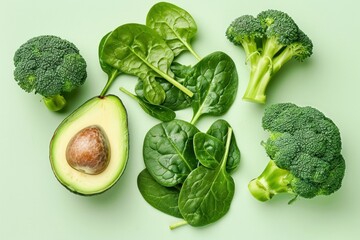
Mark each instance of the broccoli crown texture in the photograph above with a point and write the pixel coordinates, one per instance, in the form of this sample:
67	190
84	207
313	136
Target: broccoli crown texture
49	66
269	40
279	26
244	29
306	146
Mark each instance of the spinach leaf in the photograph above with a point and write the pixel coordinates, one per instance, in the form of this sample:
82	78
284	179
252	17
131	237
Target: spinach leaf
208	149
206	194
162	198
168	151
138	50
112	72
175	99
173	24
157	111
181	71
214	81
219	129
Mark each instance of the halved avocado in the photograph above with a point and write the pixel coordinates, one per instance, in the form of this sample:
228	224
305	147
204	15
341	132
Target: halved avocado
107	115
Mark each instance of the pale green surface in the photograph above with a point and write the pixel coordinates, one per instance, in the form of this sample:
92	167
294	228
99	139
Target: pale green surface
33	205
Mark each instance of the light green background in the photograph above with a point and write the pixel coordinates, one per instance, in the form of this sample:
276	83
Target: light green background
33	205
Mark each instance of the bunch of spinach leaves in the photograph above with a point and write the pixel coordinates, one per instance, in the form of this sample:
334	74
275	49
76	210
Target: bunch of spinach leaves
165	86
187	172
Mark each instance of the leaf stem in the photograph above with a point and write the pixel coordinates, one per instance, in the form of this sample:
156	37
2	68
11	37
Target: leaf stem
111	78
196	117
227	147
178	224
165	76
127	93
193	52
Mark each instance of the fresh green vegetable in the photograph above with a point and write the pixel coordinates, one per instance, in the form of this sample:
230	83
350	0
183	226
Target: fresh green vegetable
157	111
175	99
208	149
168	151
138	50
165	199
188	171
214	81
49	66
304	147
269	40
207	193
173	24
148	51
219	130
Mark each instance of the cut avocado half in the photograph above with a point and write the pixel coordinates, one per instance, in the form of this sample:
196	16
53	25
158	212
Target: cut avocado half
98	131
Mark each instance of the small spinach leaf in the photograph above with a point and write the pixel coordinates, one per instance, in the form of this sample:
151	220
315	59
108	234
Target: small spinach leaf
181	71
173	24
157	111
208	149
206	194
175	99
214	81
168	151
162	198
153	91
219	129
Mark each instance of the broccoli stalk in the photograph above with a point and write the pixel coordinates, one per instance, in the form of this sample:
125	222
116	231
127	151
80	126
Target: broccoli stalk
269	40
273	180
49	66
304	148
54	103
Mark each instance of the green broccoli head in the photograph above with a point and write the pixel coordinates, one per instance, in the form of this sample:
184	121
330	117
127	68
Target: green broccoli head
246	31
278	27
270	40
305	151
49	66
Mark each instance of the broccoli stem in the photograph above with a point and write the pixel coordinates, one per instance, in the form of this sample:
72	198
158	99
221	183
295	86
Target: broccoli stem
55	103
286	55
273	180
262	70
260	76
251	52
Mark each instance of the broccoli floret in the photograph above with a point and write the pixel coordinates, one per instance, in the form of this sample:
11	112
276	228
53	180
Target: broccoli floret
246	31
304	148
270	40
49	66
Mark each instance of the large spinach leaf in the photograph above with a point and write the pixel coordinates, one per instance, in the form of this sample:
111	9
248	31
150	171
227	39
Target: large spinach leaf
162	198
214	80
206	194
168	151
138	50
173	24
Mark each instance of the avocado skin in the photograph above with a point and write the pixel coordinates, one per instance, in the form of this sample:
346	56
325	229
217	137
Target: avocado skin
79	113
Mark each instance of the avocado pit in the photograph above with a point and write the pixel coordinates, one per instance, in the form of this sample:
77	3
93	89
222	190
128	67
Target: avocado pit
88	151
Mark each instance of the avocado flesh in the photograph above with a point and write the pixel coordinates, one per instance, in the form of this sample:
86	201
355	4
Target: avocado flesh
109	113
